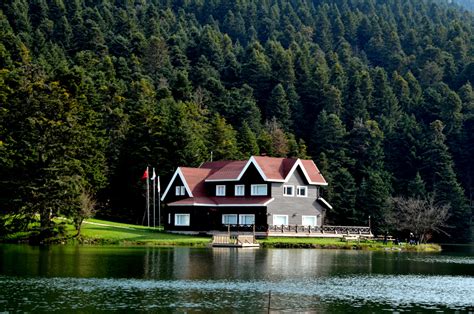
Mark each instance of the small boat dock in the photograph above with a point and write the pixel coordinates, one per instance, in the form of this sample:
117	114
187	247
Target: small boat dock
238	241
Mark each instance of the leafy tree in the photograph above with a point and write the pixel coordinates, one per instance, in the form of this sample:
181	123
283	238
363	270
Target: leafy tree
44	133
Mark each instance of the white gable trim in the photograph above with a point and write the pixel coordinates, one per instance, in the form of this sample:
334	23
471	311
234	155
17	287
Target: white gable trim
305	173
264	177
179	173
324	202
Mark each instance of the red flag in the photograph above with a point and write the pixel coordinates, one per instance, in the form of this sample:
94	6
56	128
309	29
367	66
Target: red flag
145	174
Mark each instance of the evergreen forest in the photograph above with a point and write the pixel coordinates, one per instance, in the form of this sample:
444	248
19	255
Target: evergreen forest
378	93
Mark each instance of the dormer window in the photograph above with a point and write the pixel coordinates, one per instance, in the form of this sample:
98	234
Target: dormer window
220	190
302	191
180	190
258	189
239	190
288	190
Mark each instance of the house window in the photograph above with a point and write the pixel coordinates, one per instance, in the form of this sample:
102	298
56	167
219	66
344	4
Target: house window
169	219
181	219
302	191
309	221
247	219
239	190
279	220
180	190
258	189
229	219
288	190
220	190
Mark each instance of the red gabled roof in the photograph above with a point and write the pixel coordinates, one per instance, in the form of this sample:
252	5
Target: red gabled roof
275	168
195	178
229	170
270	168
313	172
223	201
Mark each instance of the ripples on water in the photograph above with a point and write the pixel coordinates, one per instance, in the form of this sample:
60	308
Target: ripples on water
388	292
444	259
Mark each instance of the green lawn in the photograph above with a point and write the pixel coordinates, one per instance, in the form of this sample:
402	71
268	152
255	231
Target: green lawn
95	231
100	231
336	243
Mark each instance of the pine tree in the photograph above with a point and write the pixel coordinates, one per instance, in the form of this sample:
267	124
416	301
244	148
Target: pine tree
248	145
222	138
278	106
440	177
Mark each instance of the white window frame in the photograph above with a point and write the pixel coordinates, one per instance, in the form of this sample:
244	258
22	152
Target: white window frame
180	190
236	189
315	221
254	189
292	190
299	188
241	216
286	218
224	216
182	215
220	190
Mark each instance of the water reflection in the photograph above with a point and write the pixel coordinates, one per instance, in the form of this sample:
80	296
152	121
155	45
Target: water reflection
220	279
392	291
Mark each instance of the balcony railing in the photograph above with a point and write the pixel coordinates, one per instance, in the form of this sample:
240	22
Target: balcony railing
360	230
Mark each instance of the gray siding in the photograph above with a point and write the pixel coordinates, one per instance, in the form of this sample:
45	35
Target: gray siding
293	206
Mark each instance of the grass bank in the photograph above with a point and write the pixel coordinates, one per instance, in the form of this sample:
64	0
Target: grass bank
101	232
334	243
96	231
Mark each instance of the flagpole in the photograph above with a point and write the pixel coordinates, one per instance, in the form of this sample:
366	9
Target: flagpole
159	203
154	201
148	198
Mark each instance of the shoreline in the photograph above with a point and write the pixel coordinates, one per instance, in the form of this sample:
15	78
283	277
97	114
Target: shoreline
204	242
97	232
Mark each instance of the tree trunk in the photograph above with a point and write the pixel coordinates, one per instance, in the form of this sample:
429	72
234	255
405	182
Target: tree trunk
78	228
45	220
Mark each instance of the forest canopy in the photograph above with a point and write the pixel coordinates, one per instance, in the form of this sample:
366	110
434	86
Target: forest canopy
378	93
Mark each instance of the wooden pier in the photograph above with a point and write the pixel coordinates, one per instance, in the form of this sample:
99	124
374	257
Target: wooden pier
239	241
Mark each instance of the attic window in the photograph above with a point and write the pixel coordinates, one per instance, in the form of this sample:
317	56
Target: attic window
239	190
220	190
180	190
258	189
288	190
302	191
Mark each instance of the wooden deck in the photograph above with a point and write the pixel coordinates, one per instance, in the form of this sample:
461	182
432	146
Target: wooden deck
319	232
239	241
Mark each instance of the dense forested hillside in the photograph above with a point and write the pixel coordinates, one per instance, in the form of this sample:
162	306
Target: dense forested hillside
378	93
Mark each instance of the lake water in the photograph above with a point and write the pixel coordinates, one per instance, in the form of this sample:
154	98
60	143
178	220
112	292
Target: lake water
216	280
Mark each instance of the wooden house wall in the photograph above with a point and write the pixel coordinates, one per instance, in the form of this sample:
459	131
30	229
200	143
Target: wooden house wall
293	206
204	218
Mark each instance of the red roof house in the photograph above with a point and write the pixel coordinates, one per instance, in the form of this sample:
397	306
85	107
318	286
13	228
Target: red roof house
259	192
